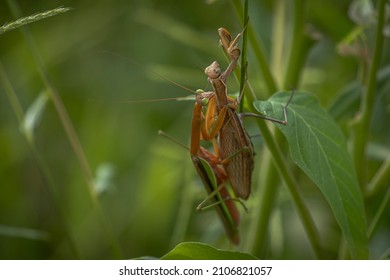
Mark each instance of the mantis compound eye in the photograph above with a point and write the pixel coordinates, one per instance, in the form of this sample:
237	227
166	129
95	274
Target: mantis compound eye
205	101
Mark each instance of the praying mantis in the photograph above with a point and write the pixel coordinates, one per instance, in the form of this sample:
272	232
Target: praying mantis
235	147
225	206
222	107
215	119
204	127
222	125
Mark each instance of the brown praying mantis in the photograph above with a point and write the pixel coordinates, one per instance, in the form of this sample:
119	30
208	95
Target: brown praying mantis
235	147
210	168
215	119
217	191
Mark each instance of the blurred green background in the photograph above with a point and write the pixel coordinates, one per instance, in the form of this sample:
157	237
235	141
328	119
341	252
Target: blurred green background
148	188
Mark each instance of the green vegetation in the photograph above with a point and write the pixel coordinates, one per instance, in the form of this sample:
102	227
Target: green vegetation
84	174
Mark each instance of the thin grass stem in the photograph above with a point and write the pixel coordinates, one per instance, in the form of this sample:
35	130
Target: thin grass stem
19	113
33	18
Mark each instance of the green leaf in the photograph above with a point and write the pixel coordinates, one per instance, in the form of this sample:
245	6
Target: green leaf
319	148
201	251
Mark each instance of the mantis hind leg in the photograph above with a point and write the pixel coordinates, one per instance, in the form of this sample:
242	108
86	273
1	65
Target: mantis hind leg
283	121
216	191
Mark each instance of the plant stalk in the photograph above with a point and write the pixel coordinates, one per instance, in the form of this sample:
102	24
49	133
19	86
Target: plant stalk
362	126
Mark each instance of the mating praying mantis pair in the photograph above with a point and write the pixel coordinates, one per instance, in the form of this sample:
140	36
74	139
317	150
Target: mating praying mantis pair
215	119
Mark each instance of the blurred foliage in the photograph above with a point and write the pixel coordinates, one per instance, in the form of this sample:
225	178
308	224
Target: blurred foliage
147	190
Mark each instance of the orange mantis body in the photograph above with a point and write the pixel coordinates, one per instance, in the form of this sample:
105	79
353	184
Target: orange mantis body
235	148
220	106
233	155
205	160
225	206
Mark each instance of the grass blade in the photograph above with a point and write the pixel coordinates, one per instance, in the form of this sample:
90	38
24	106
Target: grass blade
30	19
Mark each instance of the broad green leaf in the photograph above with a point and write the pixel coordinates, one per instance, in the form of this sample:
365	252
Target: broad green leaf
201	251
319	148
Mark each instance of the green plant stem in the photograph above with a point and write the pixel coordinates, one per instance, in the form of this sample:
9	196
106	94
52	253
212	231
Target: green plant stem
244	62
278	24
15	104
70	132
302	41
256	238
185	208
257	235
362	125
256	241
379	214
379	180
56	99
295	61
292	185
300	47
258	50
